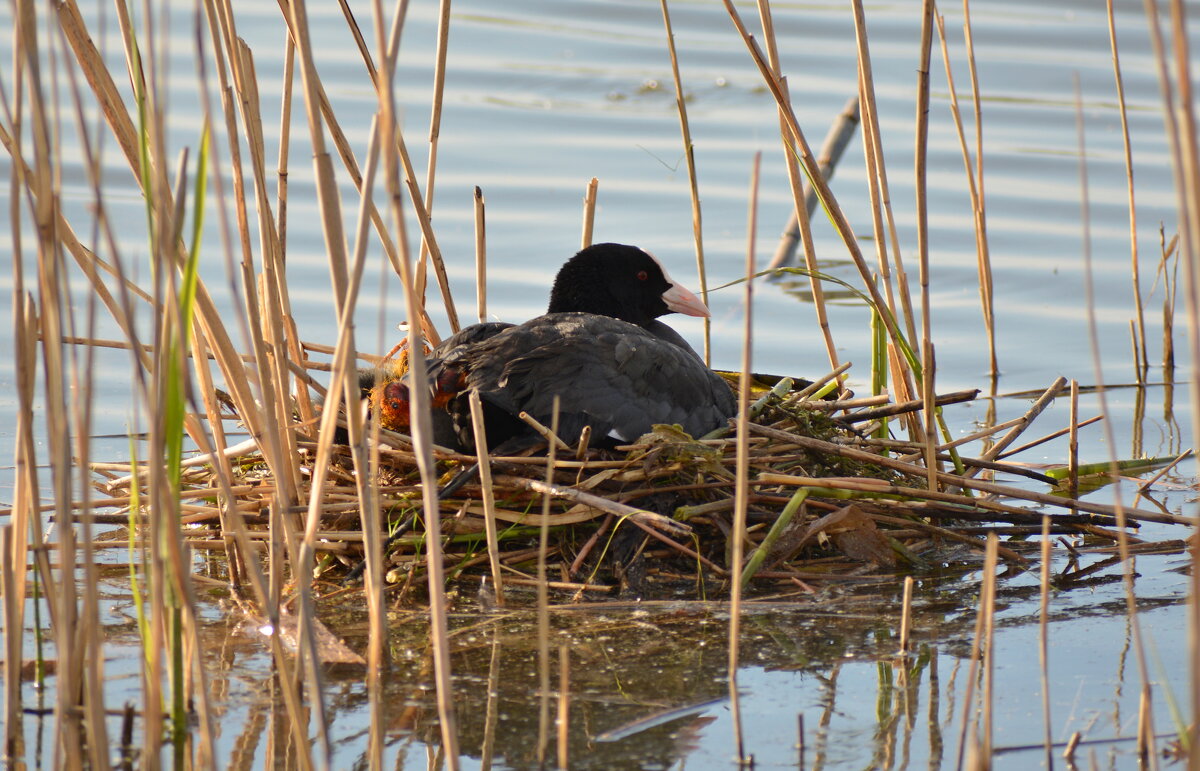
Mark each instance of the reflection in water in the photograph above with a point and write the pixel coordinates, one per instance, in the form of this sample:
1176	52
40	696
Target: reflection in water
647	686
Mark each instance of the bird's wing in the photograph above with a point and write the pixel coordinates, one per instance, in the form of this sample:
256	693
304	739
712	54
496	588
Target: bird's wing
613	376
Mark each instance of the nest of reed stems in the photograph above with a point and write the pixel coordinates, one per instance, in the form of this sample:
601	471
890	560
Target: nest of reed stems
830	500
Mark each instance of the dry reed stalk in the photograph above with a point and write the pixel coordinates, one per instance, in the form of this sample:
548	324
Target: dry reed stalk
366	458
637	516
376	731
902	389
1048	437
1145	730
877	182
581	449
1142	364
832	147
75	711
967	439
742	488
897	366
268	311
492	709
297	367
1138	377
285	141
25	305
25	528
14	631
566	586
987	292
435	128
564	706
968	733
948	479
920	175
1007	468
1044	639
346	154
813	173
328	198
1181	127
522	460
345	288
1162	472
974	186
359	41
118	119
1170	285
1041	404
422	428
427	235
548	434
818	384
91	636
363	50
1073	444
986	288
480	256
685	551
929	413
168	584
906	616
989	676
840	405
1069	750
693	185
230	521
543	601
589	212
912	405
372	528
489	500
801	205
1131	607
103	88
281	335
586	550
83	52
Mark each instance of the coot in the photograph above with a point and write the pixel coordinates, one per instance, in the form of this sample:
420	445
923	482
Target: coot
600	347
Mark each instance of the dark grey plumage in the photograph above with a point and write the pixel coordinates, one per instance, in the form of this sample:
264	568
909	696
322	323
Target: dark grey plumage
600	348
612	375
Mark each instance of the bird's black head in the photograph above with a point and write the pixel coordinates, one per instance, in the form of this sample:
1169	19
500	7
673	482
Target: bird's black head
621	281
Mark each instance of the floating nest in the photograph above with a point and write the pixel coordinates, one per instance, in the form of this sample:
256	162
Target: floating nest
829	499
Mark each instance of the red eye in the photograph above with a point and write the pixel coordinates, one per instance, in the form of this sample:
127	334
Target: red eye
642	275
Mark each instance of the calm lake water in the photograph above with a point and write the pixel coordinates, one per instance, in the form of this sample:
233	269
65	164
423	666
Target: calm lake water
542	96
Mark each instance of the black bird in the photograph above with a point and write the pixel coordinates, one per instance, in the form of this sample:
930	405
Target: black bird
600	348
